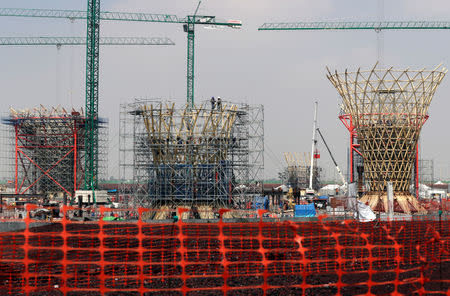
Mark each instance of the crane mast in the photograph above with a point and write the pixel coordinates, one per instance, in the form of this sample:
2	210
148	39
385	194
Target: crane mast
313	148
93	15
92	79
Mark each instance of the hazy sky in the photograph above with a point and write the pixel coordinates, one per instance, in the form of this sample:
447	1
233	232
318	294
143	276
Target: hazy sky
284	71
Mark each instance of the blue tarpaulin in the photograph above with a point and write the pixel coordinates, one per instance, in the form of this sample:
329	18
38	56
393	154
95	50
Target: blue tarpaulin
305	210
260	202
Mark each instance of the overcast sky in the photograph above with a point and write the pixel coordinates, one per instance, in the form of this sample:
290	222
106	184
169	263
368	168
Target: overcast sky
284	71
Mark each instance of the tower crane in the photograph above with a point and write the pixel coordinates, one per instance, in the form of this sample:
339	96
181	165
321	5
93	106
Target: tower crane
91	158
377	26
93	15
92	42
189	22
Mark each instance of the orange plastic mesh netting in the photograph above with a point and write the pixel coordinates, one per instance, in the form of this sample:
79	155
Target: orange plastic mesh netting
224	258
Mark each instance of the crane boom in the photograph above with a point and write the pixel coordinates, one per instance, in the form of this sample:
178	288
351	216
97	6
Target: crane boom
82	41
348	25
82	14
188	22
332	157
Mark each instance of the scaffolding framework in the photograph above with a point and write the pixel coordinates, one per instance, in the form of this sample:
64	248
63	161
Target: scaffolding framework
296	173
47	150
385	110
190	156
426	171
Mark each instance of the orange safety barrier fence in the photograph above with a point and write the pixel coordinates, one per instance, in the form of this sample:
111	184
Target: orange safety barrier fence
140	257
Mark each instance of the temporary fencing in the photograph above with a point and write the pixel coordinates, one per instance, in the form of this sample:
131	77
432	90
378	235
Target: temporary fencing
258	257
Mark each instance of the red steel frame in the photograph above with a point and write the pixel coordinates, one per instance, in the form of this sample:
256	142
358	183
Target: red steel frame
22	144
347	120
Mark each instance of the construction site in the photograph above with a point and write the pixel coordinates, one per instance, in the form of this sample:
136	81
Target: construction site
188	209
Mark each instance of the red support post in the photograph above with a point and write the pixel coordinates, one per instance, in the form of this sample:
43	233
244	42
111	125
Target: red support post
347	120
75	158
17	164
351	157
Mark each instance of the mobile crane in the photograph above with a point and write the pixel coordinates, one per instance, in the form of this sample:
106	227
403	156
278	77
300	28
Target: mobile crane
310	192
332	158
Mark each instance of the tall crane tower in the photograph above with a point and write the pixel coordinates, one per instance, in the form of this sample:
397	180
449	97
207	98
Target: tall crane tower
92	75
93	15
63	41
92	42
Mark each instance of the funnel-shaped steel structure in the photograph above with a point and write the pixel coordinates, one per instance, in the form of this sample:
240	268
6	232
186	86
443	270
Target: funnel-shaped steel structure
388	109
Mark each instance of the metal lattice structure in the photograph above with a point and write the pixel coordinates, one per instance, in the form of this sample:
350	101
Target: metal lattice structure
388	109
47	150
353	25
92	80
426	171
190	156
82	41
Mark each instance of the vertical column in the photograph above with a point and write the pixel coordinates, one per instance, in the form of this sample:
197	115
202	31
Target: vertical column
75	156
16	160
92	80
64	276
416	171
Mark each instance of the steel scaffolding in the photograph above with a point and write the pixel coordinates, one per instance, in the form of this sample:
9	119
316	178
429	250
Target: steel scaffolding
385	109
47	150
296	173
190	156
426	171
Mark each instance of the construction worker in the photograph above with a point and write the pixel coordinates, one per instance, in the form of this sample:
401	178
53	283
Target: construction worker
219	103
213	103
